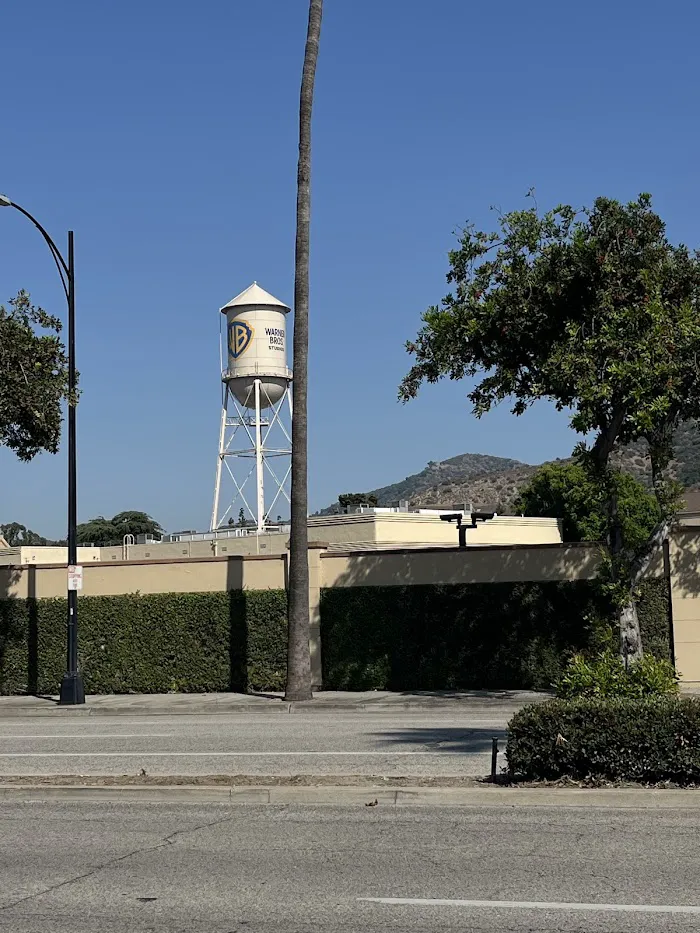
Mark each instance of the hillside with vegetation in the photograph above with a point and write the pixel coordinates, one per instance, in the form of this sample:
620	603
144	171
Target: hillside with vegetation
437	478
494	483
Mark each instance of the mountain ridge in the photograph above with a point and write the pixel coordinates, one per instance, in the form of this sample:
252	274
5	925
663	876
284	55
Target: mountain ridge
494	483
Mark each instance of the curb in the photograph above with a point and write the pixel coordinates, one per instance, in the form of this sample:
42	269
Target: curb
284	709
610	798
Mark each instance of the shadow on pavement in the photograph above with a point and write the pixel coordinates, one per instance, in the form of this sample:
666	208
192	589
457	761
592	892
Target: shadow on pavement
448	740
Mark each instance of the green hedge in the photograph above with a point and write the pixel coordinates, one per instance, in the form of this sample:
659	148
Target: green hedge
650	740
517	635
188	642
470	636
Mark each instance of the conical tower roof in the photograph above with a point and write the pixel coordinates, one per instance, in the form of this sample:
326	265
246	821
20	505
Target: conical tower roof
254	296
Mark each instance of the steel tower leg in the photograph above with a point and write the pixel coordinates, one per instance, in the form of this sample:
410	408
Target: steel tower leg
219	463
260	479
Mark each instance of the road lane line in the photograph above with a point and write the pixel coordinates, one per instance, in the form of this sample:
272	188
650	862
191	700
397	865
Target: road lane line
110	735
532	905
149	754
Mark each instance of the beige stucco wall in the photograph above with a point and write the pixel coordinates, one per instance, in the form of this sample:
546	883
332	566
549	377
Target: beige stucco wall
343	529
178	576
407	528
684	559
46	555
251	544
473	565
361	531
397	529
510	529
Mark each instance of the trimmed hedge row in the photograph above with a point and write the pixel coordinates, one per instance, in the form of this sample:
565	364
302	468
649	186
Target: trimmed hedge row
187	642
471	636
650	740
492	635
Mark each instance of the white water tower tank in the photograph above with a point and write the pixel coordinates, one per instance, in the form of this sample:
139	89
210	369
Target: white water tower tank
256	341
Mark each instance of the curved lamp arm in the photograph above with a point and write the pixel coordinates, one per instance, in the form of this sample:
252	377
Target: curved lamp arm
61	264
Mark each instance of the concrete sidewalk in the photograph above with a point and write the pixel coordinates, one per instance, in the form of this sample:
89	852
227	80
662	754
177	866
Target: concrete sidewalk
326	702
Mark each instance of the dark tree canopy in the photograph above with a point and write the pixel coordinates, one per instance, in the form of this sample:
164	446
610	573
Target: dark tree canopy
33	378
356	498
107	532
18	535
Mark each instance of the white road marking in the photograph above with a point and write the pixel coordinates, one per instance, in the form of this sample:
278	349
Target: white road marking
533	905
214	754
87	735
234	722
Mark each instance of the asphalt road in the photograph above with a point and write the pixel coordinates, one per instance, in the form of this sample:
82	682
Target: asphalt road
440	743
113	868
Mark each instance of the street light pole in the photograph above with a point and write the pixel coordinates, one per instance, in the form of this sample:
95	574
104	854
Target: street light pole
72	689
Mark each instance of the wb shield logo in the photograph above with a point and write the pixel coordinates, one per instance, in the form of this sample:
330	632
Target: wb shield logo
240	336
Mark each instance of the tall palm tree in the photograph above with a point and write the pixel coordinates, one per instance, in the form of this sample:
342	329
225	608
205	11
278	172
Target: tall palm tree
298	657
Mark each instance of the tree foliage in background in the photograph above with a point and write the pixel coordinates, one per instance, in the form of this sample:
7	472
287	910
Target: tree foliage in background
567	491
107	532
18	535
596	311
356	498
33	378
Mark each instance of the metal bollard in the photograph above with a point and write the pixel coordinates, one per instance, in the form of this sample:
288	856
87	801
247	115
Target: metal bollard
494	758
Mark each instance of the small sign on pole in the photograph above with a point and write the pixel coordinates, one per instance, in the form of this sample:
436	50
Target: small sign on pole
75	577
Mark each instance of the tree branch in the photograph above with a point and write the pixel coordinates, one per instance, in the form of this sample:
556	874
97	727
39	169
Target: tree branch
641	563
605	441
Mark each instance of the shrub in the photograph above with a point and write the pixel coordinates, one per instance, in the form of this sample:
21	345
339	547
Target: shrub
606	676
470	636
132	643
646	740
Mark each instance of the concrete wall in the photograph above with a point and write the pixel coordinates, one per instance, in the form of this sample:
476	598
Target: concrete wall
185	575
407	529
684	560
511	529
392	567
474	565
361	531
248	545
46	555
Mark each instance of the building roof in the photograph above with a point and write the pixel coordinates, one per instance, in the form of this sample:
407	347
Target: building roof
254	296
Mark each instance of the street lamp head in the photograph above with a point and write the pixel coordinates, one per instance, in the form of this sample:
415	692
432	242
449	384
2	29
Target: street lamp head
5	201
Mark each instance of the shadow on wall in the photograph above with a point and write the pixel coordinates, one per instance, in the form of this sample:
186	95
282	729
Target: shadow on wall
12	628
32	633
238	628
683	560
404	636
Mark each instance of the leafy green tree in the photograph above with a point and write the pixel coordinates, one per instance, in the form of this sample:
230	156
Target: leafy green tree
17	535
356	498
596	311
136	523
33	378
109	532
567	491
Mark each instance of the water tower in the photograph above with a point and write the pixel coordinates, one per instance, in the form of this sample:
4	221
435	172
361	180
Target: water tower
256	411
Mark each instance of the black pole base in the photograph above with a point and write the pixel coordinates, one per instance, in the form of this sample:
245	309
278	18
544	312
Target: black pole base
72	690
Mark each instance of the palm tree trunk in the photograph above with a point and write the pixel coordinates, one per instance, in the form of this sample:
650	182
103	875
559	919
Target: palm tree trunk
298	656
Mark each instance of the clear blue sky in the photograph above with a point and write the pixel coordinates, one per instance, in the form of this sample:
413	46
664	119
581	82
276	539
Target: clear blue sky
164	134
